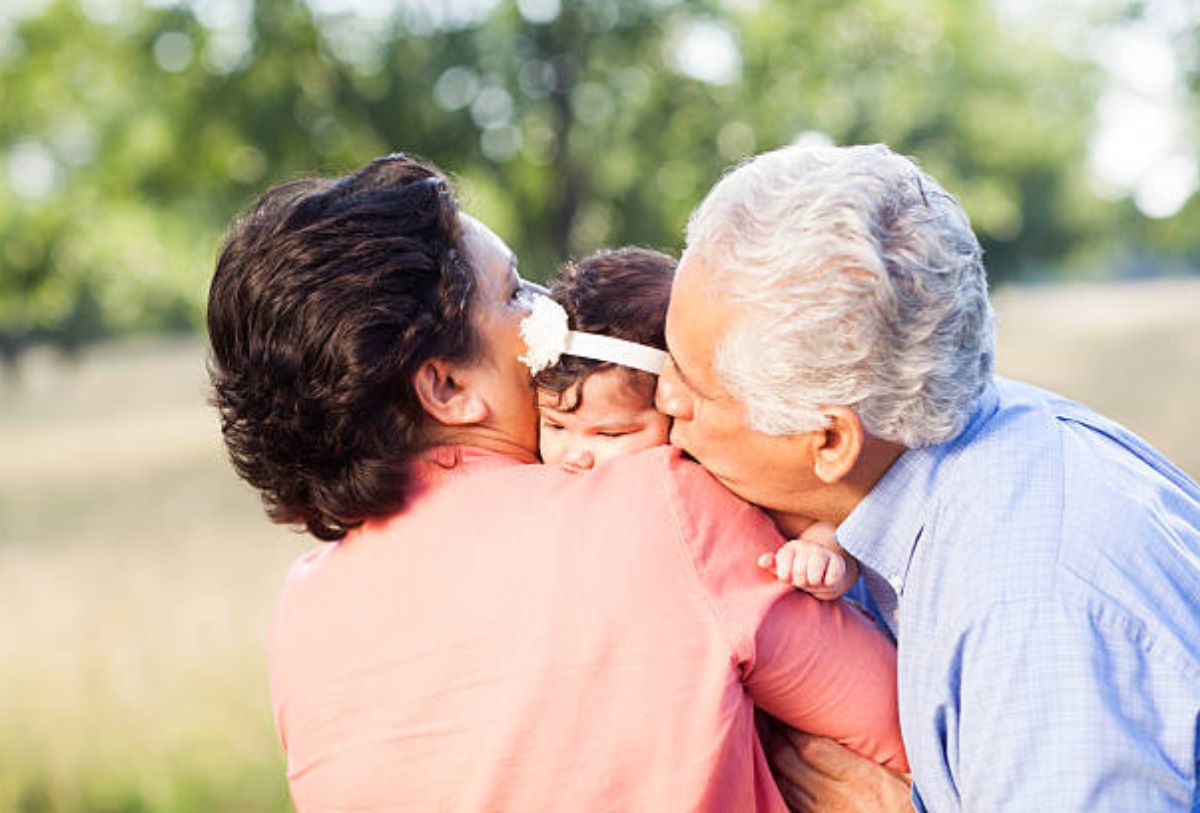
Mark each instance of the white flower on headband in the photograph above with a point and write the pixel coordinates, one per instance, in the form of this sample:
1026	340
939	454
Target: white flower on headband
547	337
545	333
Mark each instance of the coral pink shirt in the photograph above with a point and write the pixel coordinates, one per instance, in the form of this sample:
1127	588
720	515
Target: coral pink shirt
524	639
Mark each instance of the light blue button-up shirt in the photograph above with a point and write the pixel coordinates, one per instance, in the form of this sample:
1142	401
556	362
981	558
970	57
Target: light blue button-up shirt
1041	573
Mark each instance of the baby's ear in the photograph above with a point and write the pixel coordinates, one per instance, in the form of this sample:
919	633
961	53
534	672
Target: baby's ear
446	396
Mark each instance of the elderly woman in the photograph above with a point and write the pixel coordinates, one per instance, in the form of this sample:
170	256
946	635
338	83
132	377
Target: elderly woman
484	633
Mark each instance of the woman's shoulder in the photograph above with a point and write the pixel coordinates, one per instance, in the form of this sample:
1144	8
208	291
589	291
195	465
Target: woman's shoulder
663	464
661	472
651	465
659	486
695	491
702	508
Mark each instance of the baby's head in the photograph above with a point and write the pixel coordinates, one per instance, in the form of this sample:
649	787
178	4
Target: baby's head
592	411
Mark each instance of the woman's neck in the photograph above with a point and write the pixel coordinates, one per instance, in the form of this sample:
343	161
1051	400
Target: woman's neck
482	437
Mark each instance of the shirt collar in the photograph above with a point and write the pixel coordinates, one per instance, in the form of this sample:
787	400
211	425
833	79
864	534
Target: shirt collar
439	460
883	529
438	465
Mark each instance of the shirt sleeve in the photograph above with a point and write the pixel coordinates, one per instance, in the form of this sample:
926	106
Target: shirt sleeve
1067	708
824	668
820	667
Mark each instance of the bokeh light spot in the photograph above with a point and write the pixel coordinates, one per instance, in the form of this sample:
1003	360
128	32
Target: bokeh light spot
456	88
500	143
1167	186
705	50
539	12
735	140
492	107
33	173
173	51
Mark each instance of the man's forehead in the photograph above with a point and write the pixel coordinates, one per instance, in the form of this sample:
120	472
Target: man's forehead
691	291
696	320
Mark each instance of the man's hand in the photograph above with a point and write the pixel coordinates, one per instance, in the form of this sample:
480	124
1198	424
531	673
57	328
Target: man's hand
817	775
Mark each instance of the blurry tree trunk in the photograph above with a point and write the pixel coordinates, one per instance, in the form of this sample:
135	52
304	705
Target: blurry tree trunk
572	179
567	50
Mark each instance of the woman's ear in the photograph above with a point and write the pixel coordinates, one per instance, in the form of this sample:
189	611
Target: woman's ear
837	453
446	396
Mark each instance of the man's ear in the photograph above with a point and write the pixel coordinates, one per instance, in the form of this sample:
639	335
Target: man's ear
837	453
445	394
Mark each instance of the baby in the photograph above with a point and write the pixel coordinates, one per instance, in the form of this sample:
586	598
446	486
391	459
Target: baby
594	409
595	358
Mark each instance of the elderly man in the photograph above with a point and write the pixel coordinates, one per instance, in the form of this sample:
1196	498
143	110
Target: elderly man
831	350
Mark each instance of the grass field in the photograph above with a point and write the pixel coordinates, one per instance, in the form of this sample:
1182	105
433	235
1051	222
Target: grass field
136	574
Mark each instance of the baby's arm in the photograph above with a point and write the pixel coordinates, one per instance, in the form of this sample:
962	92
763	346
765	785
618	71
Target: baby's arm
814	563
817	666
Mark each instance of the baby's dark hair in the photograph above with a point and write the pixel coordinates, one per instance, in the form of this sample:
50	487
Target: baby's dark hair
621	292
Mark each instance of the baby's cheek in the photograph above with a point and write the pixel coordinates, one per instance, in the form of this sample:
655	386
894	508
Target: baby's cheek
546	448
645	440
603	452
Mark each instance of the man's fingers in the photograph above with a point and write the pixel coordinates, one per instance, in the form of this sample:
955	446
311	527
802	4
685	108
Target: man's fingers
784	758
800	785
826	776
797	799
788	764
819	755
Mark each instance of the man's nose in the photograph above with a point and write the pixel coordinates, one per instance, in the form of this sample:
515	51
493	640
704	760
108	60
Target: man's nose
670	397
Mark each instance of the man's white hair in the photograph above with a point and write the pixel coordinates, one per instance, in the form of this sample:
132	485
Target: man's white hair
862	285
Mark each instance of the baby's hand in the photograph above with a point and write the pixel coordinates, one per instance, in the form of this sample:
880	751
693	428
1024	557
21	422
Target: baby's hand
814	563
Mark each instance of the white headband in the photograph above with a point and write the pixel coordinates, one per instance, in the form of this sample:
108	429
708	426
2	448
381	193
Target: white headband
547	337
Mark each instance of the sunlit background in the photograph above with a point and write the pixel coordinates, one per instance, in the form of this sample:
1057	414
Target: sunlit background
136	574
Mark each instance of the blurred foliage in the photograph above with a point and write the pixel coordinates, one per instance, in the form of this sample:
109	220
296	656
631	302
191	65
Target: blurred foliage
132	133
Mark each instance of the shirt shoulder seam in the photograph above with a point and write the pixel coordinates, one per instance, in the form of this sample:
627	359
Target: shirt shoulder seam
1104	614
672	493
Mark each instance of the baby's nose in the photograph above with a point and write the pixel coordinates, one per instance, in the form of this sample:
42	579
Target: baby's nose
579	459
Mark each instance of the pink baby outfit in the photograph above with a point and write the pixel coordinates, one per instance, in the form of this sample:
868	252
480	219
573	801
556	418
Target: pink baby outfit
524	639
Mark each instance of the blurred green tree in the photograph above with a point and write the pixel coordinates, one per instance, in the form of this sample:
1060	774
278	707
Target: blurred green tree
131	134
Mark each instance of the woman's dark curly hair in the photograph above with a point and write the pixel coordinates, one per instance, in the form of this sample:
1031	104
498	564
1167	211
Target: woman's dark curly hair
621	292
327	297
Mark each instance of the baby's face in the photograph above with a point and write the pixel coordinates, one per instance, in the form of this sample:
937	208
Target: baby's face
613	419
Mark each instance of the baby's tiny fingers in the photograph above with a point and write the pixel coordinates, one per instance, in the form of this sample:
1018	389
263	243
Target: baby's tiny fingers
766	561
816	568
783	563
836	571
